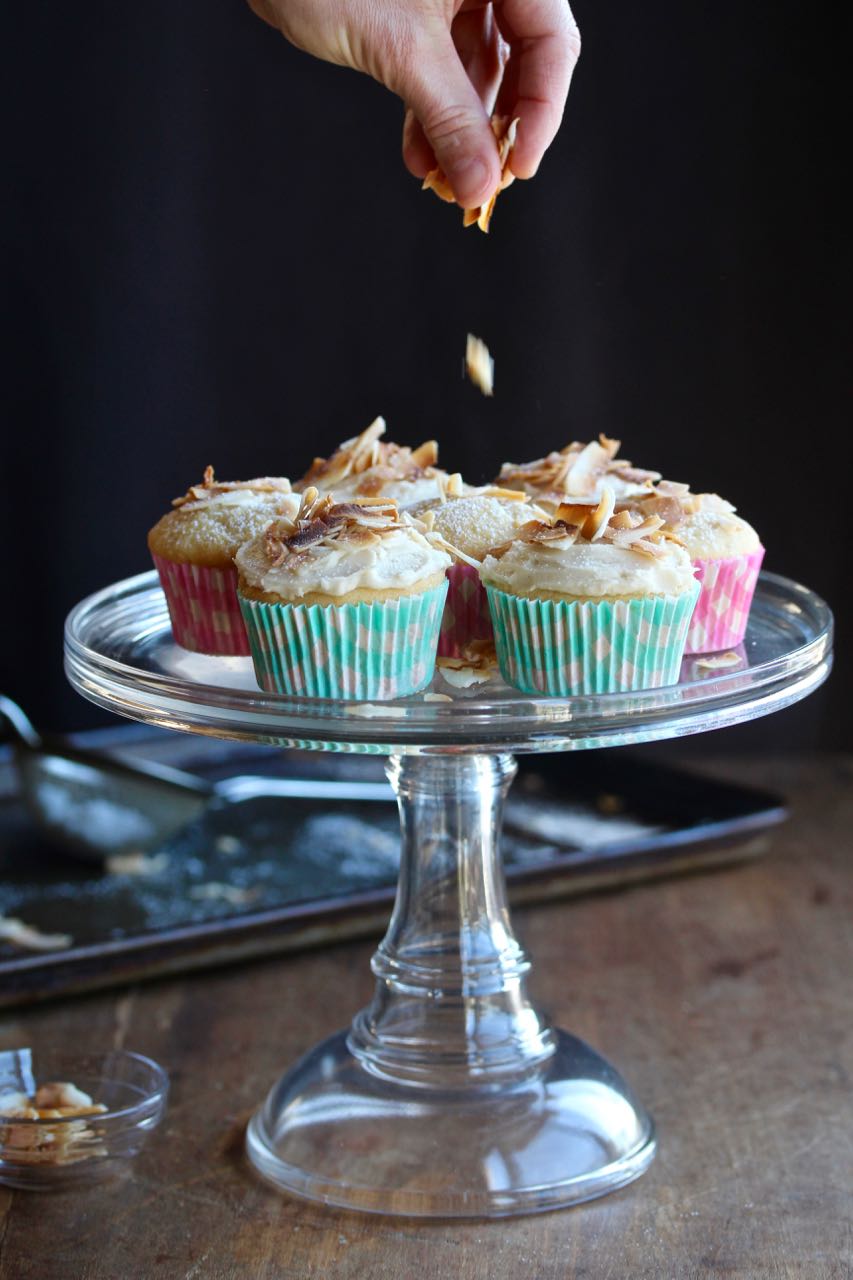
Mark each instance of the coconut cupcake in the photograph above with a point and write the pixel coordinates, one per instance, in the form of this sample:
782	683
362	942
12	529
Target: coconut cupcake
578	471
368	467
470	523
726	552
590	602
193	548
343	600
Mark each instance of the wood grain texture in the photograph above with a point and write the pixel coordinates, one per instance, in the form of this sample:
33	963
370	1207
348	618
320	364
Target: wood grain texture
726	999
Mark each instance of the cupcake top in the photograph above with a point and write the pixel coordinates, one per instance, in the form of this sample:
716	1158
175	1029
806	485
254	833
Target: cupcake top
213	518
368	467
588	551
578	471
331	548
705	523
473	523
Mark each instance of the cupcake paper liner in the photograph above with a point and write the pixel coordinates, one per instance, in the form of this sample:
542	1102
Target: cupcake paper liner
566	647
722	611
374	651
204	608
466	614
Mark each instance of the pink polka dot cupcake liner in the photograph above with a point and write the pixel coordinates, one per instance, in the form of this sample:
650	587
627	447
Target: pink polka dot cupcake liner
466	614
722	610
204	608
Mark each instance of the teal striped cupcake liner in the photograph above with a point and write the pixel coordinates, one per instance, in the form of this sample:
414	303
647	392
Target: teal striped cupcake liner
565	647
373	651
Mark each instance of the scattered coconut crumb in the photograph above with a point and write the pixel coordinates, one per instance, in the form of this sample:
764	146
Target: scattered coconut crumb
718	661
479	365
137	864
215	890
228	845
437	697
373	711
29	938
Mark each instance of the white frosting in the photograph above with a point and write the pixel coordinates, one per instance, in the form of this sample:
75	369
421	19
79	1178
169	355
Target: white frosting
715	534
398	560
588	570
288	502
476	524
406	493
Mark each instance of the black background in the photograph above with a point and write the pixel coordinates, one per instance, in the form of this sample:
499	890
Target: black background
215	255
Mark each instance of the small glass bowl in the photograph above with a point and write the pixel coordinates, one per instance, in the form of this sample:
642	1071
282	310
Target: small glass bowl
43	1155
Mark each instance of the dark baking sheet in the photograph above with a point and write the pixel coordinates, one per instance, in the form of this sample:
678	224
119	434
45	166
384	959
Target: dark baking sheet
268	874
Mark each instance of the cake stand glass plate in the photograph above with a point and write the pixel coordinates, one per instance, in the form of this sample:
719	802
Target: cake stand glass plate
450	1094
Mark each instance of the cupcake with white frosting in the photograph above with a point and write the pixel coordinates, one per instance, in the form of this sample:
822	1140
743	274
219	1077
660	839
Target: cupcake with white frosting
726	552
470	522
368	467
590	602
579	471
193	548
343	600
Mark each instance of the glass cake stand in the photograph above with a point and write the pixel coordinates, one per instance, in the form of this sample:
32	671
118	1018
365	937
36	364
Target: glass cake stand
450	1094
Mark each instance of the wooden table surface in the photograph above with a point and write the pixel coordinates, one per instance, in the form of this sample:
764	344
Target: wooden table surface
726	999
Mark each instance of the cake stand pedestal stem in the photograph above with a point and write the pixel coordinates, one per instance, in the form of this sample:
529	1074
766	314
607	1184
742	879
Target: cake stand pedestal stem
450	1007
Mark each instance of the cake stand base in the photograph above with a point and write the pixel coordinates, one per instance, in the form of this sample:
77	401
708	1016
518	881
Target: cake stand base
332	1131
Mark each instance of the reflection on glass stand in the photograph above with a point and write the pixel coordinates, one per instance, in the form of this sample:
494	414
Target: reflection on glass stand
450	1094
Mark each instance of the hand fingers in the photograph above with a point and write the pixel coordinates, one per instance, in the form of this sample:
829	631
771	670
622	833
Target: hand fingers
417	153
544	49
482	51
437	88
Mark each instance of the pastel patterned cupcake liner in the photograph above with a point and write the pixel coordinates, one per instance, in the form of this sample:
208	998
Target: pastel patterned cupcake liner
566	647
203	607
373	651
722	610
466	614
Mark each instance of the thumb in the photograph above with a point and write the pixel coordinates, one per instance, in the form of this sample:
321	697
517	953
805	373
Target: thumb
444	100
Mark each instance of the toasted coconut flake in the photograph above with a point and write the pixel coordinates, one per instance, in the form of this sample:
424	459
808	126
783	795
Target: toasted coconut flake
560	533
587	468
672	489
719	661
426	454
210	488
670	510
596	523
479	364
505	131
436	181
322	521
478	664
376	462
506	495
452	486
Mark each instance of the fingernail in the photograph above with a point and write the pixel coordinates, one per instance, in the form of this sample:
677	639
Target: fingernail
470	180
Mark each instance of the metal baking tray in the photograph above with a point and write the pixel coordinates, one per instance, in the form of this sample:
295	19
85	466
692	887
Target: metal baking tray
267	873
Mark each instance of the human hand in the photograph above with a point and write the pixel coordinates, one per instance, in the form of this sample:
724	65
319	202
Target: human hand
452	62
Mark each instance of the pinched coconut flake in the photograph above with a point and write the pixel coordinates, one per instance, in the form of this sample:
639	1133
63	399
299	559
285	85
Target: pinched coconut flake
479	365
375	460
505	131
211	488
